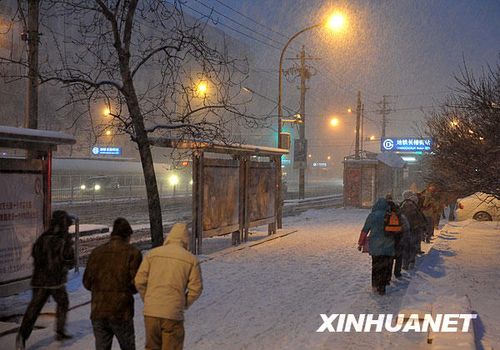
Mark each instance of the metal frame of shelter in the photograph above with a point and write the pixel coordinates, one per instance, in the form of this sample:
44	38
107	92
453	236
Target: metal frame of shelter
37	147
230	195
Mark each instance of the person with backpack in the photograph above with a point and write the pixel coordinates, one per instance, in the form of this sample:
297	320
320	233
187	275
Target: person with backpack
381	246
53	255
109	275
393	226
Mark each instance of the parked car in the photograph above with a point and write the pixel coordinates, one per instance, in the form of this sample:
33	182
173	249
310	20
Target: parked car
100	184
478	206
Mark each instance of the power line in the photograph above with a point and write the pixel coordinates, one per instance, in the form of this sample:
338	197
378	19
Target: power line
239	23
204	15
251	19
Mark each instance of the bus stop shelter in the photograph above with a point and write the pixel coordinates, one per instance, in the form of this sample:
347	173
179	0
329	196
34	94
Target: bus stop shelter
25	204
235	188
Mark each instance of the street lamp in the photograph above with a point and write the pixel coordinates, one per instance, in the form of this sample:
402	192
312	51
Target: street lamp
106	112
336	22
334	122
201	88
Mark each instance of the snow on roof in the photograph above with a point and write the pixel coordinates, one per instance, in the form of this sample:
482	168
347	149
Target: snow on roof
219	147
391	159
9	133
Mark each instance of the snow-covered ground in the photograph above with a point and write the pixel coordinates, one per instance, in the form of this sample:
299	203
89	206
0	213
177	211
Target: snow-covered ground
270	296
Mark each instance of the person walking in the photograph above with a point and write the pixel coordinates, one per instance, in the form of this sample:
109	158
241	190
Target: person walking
400	240
53	256
169	281
430	206
109	275
417	222
381	246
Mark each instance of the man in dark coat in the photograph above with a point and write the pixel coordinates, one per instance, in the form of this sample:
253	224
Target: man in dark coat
416	218
53	256
109	275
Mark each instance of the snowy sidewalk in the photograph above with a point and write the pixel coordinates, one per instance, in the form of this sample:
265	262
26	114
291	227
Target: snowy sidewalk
270	296
461	274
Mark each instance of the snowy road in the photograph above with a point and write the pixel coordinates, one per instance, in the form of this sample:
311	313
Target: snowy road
270	296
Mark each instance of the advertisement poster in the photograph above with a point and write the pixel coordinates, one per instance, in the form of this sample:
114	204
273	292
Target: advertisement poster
21	221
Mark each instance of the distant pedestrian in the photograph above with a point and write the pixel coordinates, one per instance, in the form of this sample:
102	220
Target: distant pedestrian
109	275
430	206
53	256
381	246
169	281
417	221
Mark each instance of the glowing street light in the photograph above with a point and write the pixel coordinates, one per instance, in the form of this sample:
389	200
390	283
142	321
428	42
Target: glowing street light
372	138
108	132
201	88
106	112
173	180
334	122
336	22
349	110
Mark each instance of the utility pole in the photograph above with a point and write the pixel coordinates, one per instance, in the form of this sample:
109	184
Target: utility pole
362	138
31	36
384	111
358	121
304	74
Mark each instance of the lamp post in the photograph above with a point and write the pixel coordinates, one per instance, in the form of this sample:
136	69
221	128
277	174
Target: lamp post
335	22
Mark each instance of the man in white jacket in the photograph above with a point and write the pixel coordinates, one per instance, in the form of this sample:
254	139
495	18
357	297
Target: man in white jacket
169	281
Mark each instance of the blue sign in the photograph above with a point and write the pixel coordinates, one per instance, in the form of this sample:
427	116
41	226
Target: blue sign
106	151
406	144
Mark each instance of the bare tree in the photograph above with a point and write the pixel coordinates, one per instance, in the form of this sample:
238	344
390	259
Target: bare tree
152	68
466	134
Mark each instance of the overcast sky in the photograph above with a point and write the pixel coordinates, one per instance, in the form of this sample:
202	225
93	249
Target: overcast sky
407	49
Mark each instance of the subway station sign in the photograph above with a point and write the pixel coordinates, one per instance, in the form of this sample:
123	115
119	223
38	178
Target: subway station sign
106	151
405	144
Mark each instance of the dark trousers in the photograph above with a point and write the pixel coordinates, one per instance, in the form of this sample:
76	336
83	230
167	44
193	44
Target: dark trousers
123	330
163	334
38	300
381	271
429	228
451	216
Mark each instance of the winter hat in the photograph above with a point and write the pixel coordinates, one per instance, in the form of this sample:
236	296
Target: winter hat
179	232
121	228
59	217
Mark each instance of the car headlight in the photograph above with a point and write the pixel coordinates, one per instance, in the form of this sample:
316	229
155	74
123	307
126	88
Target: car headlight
97	187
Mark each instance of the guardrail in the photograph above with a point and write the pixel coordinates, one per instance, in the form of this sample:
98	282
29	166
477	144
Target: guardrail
297	205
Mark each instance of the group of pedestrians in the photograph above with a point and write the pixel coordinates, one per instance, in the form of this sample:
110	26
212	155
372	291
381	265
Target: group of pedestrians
168	280
393	233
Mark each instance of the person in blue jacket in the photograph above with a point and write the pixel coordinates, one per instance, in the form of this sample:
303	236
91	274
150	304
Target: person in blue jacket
381	246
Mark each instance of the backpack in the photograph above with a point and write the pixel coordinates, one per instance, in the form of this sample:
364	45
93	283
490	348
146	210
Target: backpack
392	224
